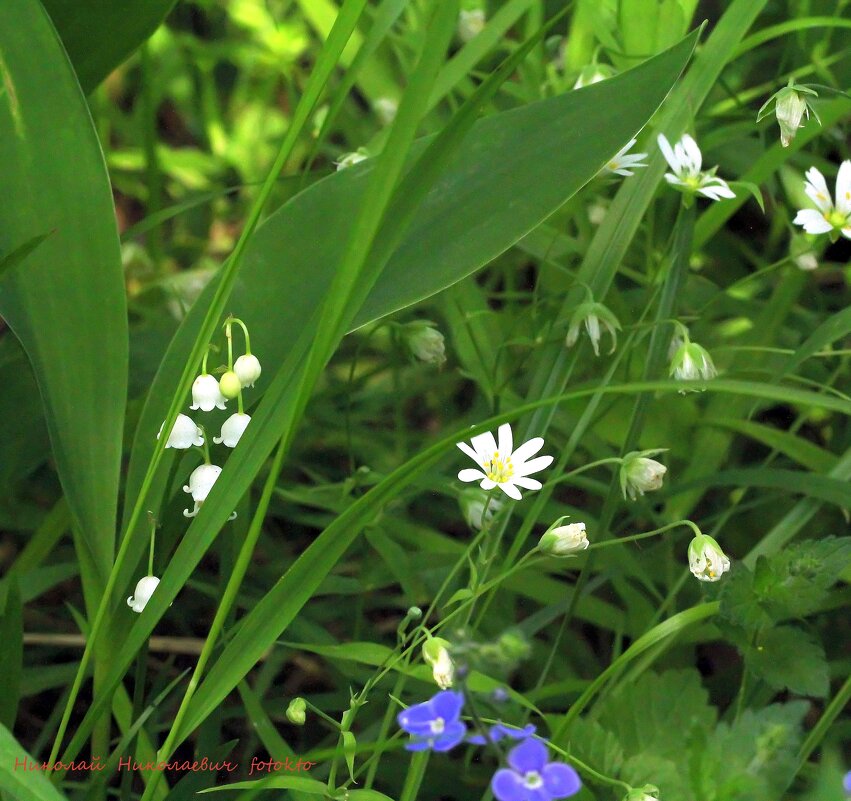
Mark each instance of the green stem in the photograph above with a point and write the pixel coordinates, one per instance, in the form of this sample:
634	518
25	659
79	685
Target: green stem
244	328
229	336
228	599
151	551
414	778
818	732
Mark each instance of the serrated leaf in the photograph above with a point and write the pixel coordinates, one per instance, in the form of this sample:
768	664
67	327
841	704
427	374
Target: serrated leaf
739	602
752	759
789	658
655	714
593	744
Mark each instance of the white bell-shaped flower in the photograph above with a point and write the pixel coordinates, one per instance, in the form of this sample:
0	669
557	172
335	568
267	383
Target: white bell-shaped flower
206	394
184	434
706	560
201	481
436	655
233	429
247	369
640	474
144	590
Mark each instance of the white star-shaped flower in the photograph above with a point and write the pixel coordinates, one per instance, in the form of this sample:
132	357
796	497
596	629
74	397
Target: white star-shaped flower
685	159
501	465
829	216
623	162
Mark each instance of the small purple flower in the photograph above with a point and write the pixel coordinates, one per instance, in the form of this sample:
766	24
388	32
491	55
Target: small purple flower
499	731
434	724
846	783
531	777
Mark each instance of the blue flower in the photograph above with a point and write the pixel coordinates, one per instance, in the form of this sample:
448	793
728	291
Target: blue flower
846	783
434	724
499	731
531	777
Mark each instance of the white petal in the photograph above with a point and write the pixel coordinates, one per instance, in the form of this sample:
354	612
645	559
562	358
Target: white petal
506	440
668	153
510	490
469	451
843	187
527	450
673	179
533	465
813	221
527	483
487	484
693	154
846	232
485	445
470	474
816	189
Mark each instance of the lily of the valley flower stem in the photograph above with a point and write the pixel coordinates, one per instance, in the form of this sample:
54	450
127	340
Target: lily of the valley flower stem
639	473
686	161
624	162
706	560
530	776
564	540
828	217
184	434
144	590
502	466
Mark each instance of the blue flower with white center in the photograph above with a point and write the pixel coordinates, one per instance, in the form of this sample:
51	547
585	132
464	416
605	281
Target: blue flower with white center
531	777
500	731
435	724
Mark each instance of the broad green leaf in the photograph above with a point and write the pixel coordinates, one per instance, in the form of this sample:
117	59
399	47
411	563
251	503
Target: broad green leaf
18	783
99	34
789	658
597	746
13	259
66	300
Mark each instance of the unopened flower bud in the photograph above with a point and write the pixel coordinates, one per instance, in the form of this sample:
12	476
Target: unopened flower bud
564	540
297	711
426	343
436	654
385	109
247	369
414	613
514	646
144	590
692	362
592	314
647	793
593	73
350	159
478	511
790	109
640	474
803	253
706	560
229	384
471	22
184	434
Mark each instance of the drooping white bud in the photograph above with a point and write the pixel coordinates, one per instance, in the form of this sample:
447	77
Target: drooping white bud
640	474
144	590
247	369
706	560
201	481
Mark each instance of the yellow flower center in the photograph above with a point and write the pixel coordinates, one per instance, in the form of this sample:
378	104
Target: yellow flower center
836	218
498	469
